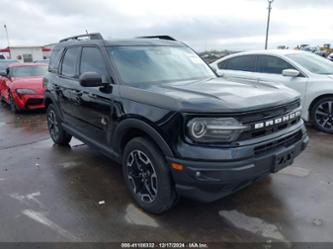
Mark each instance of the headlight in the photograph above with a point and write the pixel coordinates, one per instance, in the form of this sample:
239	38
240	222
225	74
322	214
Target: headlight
25	91
214	129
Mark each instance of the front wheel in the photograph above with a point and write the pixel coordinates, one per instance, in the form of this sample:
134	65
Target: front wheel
147	176
57	133
12	104
322	115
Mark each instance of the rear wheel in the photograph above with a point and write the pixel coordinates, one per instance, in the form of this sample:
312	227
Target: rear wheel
147	176
57	133
322	114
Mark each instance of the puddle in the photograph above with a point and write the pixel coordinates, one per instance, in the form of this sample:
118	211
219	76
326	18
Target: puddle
252	224
138	217
295	171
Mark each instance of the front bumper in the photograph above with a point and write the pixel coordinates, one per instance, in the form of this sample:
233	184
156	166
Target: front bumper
207	181
29	101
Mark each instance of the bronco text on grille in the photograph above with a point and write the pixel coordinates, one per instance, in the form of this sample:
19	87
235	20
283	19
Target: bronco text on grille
271	120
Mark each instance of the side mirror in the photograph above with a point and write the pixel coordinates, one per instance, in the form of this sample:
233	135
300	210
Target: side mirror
290	73
91	79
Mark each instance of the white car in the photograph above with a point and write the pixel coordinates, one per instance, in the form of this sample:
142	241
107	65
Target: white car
309	74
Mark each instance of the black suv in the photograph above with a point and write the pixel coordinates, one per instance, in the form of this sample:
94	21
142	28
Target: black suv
153	105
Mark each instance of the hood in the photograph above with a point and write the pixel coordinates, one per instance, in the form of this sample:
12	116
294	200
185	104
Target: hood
35	82
212	95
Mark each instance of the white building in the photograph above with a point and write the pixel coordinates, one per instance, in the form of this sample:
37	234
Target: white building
27	53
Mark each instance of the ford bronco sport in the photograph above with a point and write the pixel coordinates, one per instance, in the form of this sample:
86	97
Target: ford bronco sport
153	105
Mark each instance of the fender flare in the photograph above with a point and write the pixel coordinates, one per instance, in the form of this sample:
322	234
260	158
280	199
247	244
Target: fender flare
48	96
132	123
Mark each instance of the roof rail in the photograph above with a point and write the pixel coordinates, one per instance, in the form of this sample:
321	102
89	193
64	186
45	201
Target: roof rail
162	37
92	36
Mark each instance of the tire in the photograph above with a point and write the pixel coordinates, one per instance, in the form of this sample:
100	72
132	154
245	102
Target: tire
321	114
12	104
147	176
57	133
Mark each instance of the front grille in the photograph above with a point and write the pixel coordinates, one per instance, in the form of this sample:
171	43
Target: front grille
283	142
34	101
251	119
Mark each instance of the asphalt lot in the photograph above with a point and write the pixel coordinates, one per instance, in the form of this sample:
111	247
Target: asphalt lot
49	193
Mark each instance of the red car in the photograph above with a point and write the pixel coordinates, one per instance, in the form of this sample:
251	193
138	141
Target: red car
21	86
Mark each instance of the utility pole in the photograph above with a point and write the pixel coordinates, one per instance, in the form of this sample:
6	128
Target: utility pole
268	20
6	30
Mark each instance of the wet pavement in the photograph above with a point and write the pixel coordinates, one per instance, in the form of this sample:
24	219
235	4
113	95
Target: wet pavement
51	193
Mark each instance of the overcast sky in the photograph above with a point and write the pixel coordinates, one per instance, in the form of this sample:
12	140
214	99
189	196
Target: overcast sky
208	24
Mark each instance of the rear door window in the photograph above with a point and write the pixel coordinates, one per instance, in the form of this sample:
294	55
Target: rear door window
69	62
240	63
54	60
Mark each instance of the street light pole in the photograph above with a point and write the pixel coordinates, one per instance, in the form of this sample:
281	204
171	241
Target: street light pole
5	27
268	20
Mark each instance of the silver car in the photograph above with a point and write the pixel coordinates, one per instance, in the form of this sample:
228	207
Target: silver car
309	74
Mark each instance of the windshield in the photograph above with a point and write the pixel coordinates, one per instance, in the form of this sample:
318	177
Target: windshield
158	64
28	71
313	63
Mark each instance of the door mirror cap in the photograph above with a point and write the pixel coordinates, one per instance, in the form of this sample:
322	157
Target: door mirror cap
90	79
290	73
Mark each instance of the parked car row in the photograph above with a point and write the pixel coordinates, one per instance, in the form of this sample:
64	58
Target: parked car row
309	74
155	107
